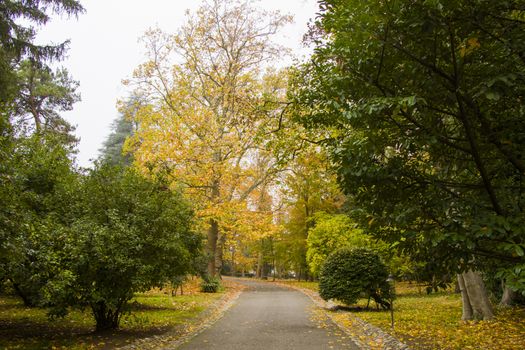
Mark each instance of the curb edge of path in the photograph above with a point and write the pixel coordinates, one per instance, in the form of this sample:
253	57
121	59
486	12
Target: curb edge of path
389	342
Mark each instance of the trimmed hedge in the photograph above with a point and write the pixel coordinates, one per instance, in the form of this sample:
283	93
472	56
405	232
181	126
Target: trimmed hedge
348	274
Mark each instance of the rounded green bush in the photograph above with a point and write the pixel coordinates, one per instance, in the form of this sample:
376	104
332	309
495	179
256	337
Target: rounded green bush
210	285
348	274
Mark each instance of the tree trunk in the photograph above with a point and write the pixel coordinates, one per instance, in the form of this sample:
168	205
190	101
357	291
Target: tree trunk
306	274
274	269
233	262
476	303
457	288
213	230
211	247
219	254
25	298
507	299
105	318
467	313
258	273
265	270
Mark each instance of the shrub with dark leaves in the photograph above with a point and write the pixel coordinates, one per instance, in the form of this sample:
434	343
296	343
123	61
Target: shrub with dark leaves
348	274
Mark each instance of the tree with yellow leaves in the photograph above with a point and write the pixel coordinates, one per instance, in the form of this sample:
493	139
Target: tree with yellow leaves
308	186
201	115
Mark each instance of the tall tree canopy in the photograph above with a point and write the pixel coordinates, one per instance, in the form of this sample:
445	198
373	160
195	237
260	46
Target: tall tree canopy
427	100
199	116
42	95
17	31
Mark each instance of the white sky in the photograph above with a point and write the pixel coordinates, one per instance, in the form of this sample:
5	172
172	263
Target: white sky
104	50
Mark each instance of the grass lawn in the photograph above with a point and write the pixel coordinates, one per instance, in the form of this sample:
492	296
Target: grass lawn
434	321
155	312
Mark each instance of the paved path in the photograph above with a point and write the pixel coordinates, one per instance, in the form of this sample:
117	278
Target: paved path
271	318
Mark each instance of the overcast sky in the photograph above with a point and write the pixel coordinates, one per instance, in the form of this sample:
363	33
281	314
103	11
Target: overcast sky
104	50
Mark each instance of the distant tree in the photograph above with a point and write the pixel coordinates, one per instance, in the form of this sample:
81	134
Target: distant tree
309	186
333	231
112	150
329	233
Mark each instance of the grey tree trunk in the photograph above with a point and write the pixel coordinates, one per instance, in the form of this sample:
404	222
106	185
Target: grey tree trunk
507	299
467	313
476	303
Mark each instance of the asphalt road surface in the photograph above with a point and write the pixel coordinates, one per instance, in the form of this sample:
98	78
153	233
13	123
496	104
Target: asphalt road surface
270	317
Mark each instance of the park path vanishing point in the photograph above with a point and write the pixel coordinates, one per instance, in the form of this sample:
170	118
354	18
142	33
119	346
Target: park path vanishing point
270	317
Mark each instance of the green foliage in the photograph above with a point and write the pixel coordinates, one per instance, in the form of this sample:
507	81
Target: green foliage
210	285
17	31
36	177
330	233
39	191
43	93
424	100
88	241
68	239
131	234
6	186
309	187
29	184
334	231
347	274
112	150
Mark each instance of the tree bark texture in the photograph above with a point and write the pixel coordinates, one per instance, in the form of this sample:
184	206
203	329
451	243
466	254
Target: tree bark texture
476	303
259	271
507	299
211	247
